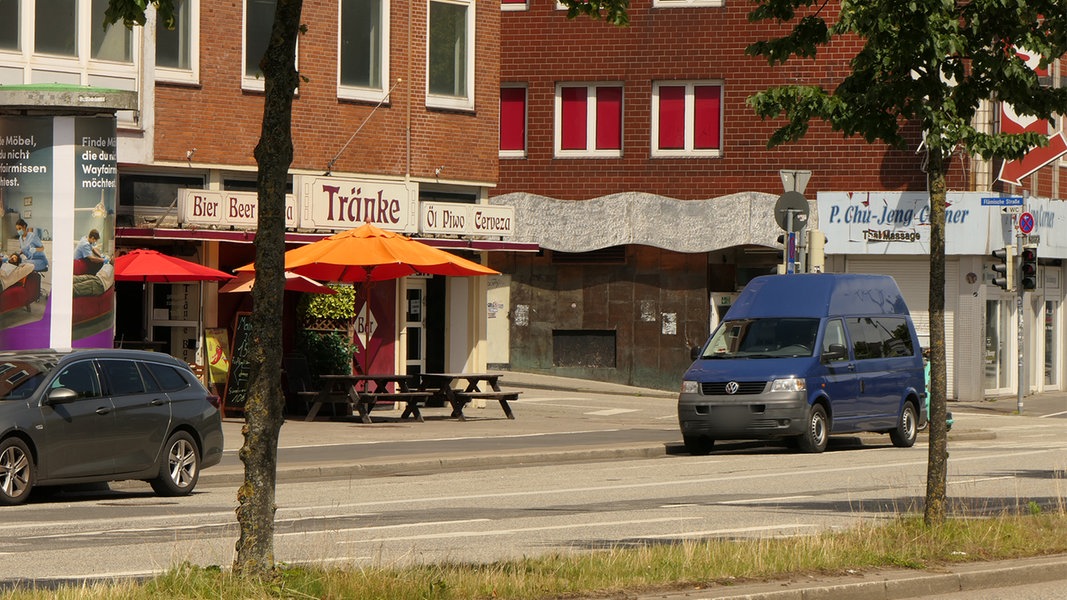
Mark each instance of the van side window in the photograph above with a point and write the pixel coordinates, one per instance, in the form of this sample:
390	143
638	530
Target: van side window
879	337
834	345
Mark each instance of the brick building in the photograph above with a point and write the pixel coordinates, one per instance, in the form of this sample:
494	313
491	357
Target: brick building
398	103
632	159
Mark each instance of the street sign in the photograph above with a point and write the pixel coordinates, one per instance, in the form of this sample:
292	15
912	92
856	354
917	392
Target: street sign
1005	201
791	211
1011	210
793	180
1026	222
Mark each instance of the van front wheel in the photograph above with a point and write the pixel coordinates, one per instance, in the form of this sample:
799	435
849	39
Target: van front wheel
698	445
907	428
817	433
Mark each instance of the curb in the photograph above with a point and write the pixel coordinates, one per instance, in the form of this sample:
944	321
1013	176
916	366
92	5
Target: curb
892	585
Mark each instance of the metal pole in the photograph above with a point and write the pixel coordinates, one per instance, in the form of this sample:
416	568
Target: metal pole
1019	318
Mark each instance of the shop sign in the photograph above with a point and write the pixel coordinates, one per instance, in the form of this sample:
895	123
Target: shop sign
466	219
337	204
239	210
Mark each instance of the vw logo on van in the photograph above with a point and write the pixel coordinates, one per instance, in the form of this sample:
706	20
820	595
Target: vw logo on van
732	387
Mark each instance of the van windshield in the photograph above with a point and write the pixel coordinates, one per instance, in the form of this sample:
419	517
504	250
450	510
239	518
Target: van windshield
763	338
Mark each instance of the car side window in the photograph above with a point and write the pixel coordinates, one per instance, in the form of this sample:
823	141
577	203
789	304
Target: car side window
123	377
168	377
150	383
79	377
834	344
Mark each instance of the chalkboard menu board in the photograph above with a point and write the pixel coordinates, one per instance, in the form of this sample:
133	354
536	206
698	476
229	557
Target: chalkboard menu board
237	379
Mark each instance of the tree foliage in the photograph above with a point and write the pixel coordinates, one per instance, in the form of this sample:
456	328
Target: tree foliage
928	62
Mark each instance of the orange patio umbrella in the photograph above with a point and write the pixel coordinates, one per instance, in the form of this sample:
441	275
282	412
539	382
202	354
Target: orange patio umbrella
369	253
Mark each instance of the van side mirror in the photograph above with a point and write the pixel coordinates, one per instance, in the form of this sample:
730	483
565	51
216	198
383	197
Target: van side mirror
694	352
835	352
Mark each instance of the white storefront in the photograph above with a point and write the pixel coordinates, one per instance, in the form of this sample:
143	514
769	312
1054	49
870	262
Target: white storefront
889	232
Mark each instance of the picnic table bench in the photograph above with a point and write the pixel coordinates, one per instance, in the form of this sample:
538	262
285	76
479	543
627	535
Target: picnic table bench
364	391
441	385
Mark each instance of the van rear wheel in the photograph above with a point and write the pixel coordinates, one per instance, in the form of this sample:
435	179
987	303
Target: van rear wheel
817	433
698	445
907	427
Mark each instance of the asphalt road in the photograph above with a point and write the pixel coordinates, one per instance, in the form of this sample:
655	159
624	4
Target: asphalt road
576	470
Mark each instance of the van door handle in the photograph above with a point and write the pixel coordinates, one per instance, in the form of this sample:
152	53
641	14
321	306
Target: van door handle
863	386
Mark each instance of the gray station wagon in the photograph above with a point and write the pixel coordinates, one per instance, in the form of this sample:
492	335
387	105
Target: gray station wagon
79	416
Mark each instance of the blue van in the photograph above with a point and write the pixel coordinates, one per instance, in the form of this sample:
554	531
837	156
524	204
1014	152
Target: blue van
799	357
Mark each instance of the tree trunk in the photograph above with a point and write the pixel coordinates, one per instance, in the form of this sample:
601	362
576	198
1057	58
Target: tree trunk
937	462
265	404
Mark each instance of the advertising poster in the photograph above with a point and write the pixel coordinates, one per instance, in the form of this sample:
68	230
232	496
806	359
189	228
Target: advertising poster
58	188
26	272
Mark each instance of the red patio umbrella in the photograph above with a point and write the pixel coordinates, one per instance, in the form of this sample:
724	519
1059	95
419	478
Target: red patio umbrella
149	266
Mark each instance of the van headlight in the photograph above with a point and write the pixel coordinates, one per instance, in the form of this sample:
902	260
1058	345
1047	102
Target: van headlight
690	387
792	384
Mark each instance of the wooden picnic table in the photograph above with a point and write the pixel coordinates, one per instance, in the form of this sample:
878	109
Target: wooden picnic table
363	391
470	386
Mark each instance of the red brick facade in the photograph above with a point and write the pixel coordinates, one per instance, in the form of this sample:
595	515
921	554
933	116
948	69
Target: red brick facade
222	121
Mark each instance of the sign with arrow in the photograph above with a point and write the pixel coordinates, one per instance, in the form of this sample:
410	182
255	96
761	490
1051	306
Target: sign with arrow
1014	171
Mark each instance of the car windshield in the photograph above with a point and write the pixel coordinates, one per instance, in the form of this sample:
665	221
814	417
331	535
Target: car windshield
763	338
19	378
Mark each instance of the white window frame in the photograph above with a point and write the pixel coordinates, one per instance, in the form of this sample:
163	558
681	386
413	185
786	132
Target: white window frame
515	7
526	122
686	3
370	94
690	111
192	74
590	121
81	69
248	82
454	102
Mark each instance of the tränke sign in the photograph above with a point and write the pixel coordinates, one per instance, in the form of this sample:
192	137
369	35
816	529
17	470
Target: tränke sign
336	204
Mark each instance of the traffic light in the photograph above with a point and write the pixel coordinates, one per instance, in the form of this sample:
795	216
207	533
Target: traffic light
1028	269
1003	268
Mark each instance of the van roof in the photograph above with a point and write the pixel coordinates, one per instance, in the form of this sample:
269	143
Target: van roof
818	295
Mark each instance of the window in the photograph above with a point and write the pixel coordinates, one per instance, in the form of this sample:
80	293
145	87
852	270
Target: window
56	27
834	344
115	43
9	25
686	119
513	122
450	55
363	49
177	48
588	120
81	378
122	377
169	378
259	20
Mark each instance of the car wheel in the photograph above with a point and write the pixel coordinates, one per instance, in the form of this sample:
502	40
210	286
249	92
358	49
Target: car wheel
16	471
904	435
180	467
817	433
698	445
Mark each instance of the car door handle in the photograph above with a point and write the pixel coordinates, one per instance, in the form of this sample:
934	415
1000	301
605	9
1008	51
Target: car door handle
156	402
103	410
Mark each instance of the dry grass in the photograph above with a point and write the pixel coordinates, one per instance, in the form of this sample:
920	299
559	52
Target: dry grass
905	542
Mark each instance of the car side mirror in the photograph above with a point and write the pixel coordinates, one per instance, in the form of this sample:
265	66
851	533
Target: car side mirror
60	396
835	352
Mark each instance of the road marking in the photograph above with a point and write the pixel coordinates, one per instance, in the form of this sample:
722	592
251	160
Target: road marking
764	500
514	531
384	527
1059	414
708	532
611	411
